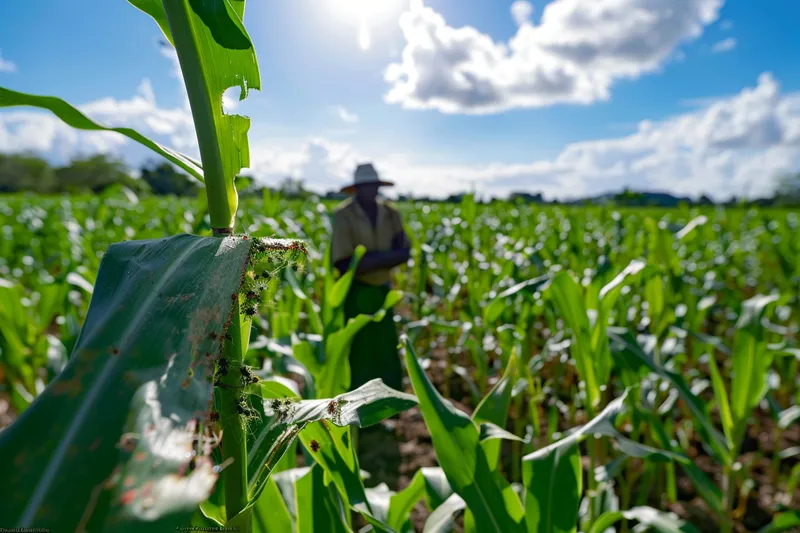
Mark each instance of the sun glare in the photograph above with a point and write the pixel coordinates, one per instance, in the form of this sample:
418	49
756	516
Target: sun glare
366	15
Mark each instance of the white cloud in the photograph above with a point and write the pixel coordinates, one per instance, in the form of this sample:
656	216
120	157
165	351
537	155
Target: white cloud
321	163
521	11
6	65
345	115
725	45
40	131
142	113
574	55
727	146
730	146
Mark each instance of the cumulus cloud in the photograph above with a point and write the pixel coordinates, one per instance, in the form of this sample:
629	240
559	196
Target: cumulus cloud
6	65
725	45
521	11
733	145
574	55
319	162
345	115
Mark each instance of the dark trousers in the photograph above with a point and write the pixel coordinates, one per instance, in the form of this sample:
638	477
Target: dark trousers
373	353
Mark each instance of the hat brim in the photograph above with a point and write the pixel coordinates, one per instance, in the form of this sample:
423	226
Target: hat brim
352	188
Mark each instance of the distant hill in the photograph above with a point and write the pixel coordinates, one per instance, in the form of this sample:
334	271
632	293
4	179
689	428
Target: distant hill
632	198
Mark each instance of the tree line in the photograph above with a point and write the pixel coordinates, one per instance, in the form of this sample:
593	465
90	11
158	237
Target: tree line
29	172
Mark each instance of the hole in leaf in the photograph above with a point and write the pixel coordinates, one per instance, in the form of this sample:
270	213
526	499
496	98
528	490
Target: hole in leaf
230	100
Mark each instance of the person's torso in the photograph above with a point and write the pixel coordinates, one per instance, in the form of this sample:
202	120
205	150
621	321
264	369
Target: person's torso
375	238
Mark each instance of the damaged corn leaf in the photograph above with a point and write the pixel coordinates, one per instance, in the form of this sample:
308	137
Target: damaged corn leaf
279	420
116	440
215	53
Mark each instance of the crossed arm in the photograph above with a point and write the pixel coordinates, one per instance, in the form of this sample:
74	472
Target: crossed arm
372	261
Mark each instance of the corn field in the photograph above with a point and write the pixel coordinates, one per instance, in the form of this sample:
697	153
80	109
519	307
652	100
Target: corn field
668	337
171	364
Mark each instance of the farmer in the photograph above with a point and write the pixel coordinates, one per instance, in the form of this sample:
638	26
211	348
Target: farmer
363	219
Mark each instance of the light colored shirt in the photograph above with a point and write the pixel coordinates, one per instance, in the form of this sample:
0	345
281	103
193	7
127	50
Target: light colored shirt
352	226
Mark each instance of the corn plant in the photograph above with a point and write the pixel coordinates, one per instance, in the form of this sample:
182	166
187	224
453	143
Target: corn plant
156	388
631	361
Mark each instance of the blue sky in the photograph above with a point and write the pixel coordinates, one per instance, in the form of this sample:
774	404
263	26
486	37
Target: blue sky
566	97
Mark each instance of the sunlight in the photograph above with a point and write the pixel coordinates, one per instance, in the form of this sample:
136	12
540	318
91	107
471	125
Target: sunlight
366	14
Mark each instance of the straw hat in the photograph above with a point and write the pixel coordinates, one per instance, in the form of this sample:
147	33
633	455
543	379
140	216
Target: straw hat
365	173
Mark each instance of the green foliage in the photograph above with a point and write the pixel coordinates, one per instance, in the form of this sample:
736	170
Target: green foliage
598	337
652	518
132	398
668	406
788	191
25	172
281	418
456	440
215	53
94	173
19	173
76	119
162	178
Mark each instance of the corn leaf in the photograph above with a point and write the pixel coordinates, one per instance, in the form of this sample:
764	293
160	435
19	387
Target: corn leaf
429	483
629	355
377	525
128	401
751	361
13	324
611	291
456	440
705	486
333	377
215	54
489	432
270	513
498	304
721	396
72	117
284	420
442	519
155	8
696	222
379	500
568	300
654	519
553	478
317	510
555	485
286	482
338	292
788	521
332	449
494	408
788	417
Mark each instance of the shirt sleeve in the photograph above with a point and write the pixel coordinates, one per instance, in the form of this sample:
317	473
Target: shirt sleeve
398	229
341	240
